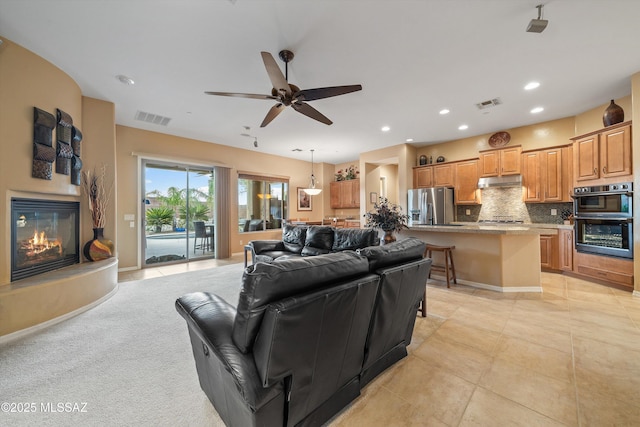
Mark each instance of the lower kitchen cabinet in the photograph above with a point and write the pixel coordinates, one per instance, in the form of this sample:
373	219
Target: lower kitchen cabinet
549	252
617	271
565	250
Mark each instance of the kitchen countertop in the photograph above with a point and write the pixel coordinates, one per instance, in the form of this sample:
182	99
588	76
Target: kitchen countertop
480	228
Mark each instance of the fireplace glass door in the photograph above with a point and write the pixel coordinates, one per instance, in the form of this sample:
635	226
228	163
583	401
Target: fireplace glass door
44	236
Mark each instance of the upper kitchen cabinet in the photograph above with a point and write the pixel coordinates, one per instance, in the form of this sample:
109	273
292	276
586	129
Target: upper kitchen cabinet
500	162
546	175
345	194
423	177
466	188
603	154
444	175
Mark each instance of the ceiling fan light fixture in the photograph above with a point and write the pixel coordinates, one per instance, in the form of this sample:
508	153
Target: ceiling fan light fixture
312	190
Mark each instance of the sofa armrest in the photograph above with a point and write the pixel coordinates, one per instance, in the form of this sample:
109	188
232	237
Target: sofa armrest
259	246
211	319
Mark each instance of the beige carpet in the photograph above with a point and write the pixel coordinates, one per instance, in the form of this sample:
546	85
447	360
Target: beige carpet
126	362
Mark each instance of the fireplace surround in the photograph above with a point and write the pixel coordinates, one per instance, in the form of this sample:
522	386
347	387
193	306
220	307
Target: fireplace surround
44	236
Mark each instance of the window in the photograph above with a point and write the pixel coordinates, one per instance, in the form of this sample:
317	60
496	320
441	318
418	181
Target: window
263	202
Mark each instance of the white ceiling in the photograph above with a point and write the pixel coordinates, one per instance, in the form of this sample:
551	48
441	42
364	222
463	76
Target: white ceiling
413	58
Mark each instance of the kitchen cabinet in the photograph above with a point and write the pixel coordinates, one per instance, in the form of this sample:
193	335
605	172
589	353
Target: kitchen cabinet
351	223
546	175
345	194
565	250
603	154
466	183
500	162
612	270
443	175
548	252
423	177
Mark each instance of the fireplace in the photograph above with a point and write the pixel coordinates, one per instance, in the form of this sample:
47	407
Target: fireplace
44	236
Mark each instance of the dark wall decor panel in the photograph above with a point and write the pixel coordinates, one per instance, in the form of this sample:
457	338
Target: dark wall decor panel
43	152
63	146
76	163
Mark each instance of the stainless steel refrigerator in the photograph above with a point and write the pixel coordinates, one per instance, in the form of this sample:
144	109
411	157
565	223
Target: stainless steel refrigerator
430	206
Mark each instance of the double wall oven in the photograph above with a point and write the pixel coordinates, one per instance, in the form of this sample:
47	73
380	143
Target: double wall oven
604	219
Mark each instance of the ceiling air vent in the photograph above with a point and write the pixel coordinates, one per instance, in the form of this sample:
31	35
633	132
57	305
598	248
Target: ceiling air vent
152	118
488	104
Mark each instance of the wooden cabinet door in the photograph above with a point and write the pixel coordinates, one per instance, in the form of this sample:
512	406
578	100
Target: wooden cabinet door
443	175
565	246
466	188
510	161
531	177
551	174
548	252
615	152
354	191
334	195
586	158
423	177
489	163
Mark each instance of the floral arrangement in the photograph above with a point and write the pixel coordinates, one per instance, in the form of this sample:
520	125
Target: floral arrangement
349	173
98	195
386	216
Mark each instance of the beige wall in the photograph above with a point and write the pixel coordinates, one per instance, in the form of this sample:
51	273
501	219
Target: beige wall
168	147
27	81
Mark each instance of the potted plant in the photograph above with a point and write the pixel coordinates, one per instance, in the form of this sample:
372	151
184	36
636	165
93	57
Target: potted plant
388	217
157	217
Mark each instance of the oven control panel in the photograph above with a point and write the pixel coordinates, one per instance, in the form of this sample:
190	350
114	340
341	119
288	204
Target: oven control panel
622	187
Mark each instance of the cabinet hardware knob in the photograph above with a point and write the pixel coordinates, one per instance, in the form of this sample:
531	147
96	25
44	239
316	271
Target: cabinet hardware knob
595	171
604	169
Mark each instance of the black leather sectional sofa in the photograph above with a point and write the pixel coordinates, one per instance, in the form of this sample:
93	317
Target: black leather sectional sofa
307	334
302	240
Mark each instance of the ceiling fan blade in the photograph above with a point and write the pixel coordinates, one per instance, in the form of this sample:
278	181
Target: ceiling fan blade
325	92
309	111
243	95
275	74
272	114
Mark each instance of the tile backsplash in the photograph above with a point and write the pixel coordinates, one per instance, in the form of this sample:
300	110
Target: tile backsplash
506	203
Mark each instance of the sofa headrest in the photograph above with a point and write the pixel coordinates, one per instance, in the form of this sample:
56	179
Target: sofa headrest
293	237
319	240
394	253
264	283
354	238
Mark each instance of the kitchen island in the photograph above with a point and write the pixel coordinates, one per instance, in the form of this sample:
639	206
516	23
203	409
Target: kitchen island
503	258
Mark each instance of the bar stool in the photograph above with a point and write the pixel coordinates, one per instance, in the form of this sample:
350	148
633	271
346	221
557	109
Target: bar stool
448	268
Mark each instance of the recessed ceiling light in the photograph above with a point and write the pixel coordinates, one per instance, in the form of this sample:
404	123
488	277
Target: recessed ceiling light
385	129
409	140
531	85
444	111
125	79
463	127
537	110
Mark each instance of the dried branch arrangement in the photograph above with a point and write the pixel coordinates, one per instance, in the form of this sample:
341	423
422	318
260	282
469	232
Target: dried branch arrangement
98	194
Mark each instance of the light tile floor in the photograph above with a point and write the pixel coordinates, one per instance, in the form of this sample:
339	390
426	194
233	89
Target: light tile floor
569	356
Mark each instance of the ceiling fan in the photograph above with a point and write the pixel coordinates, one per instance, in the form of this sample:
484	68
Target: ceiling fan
288	94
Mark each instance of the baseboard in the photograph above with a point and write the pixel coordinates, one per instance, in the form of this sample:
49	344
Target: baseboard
494	288
24	332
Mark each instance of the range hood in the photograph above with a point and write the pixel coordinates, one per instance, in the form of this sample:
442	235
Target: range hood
500	181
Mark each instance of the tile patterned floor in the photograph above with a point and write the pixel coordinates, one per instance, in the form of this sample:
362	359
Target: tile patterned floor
569	356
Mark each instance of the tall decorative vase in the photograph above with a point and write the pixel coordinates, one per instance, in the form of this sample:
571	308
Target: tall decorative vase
99	247
389	237
613	114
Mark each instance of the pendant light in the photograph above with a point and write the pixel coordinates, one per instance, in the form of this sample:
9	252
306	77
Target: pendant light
312	190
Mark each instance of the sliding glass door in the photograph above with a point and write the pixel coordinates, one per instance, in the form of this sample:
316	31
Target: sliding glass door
178	214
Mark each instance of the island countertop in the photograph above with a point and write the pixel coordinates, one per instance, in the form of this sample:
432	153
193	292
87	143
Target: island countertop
476	228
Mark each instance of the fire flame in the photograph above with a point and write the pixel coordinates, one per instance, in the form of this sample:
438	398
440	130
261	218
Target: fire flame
40	242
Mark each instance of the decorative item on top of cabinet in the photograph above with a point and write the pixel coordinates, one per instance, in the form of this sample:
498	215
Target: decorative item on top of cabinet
466	187
603	154
613	114
500	162
344	194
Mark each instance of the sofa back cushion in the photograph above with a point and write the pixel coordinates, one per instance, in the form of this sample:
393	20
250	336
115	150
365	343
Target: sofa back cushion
319	240
264	283
293	237
353	238
394	253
